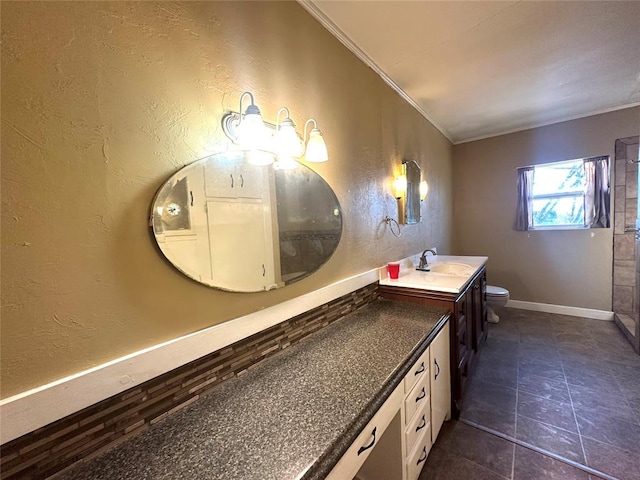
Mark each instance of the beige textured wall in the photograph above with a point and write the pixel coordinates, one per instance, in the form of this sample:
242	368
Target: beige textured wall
568	267
101	102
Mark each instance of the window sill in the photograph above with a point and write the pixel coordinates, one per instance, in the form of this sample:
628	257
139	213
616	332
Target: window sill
559	227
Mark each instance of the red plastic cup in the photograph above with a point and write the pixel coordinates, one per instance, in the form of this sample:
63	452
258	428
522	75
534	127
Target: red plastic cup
393	268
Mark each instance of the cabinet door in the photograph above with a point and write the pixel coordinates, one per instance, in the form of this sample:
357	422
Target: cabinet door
250	182
234	224
237	181
440	381
384	430
220	181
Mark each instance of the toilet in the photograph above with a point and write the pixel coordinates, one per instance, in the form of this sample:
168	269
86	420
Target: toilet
496	297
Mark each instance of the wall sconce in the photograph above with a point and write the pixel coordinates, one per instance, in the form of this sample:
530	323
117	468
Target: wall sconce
268	141
252	132
424	189
400	192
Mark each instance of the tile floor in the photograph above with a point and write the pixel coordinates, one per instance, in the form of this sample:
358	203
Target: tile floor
564	385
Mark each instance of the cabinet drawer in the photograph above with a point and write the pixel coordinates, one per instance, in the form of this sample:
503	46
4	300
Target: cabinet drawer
418	456
364	444
417	398
421	423
419	370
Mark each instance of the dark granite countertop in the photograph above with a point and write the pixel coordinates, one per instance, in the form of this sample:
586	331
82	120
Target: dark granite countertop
293	416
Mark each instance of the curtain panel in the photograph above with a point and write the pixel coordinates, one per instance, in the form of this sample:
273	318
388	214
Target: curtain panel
597	200
524	213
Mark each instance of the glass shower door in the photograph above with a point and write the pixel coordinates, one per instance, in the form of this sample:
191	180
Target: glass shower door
626	241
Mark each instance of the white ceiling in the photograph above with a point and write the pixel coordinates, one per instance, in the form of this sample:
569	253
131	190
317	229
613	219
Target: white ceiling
477	69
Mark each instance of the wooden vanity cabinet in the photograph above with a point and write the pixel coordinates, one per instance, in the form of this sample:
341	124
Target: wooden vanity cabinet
468	326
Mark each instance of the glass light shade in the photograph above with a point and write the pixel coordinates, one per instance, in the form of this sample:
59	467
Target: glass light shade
424	189
252	132
400	186
286	140
316	148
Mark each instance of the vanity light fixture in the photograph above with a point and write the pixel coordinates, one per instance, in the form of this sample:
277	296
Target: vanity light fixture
280	140
316	150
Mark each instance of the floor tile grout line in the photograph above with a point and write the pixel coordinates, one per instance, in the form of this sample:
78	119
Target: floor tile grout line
579	466
515	423
575	415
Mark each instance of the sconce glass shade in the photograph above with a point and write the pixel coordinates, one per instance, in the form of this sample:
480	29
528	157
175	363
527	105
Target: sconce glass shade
286	140
424	189
252	132
316	150
400	186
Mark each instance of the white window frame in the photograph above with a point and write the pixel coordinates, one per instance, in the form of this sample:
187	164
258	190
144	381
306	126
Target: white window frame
581	192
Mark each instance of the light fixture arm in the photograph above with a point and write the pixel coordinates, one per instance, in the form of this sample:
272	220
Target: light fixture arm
288	117
315	127
252	104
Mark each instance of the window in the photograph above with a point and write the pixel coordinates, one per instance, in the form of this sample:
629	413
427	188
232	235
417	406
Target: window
557	195
570	194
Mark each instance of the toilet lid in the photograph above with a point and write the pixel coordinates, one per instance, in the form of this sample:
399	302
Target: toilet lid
497	291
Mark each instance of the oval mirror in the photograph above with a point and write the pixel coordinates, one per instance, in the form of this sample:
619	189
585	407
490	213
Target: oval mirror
232	225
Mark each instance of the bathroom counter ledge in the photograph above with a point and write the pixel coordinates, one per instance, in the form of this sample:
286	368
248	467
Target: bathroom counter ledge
292	416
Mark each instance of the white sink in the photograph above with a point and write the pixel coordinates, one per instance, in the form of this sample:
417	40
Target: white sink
448	273
447	268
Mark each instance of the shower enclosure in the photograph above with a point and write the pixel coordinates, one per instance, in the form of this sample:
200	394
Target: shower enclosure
626	241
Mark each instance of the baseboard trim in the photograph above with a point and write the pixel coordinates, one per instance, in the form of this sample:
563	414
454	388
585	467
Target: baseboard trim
35	408
562	309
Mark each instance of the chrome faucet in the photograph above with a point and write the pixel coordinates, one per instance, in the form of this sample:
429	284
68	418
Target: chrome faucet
424	265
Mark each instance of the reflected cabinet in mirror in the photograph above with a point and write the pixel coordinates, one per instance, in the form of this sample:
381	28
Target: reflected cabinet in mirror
240	227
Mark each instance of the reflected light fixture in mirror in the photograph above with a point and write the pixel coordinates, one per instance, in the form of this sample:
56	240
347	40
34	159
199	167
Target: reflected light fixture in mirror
248	132
409	190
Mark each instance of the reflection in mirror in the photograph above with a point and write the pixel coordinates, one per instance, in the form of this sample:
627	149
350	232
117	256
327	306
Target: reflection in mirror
412	208
241	227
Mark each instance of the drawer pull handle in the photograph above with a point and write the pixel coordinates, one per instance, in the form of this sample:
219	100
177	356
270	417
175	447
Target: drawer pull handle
438	368
420	370
423	457
421	396
422	425
367	447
